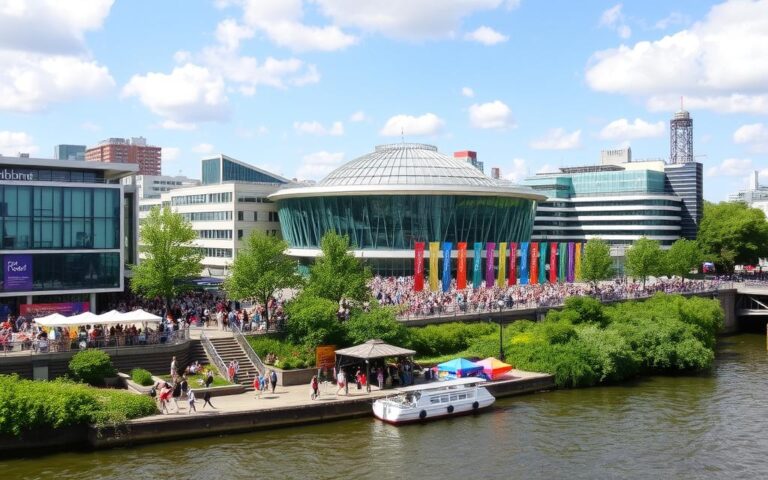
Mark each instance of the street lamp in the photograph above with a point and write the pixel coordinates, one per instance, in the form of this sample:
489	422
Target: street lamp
500	303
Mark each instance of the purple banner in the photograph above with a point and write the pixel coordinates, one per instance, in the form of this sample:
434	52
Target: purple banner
17	273
490	263
571	258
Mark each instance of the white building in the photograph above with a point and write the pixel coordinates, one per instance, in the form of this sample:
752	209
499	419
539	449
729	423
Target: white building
754	194
152	186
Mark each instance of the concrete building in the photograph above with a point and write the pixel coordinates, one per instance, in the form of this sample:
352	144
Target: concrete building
68	229
152	186
469	157
125	150
753	193
69	152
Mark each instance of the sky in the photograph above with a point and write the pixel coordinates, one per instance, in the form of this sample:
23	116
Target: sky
299	87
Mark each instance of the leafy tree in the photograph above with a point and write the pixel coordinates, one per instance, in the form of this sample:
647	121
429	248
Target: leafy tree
261	268
312	321
336	274
682	257
92	366
733	233
169	256
644	258
380	323
596	263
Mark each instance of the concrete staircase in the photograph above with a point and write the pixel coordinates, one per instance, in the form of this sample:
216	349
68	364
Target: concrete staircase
228	349
197	353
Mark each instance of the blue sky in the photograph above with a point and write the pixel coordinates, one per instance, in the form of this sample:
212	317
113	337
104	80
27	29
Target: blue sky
301	86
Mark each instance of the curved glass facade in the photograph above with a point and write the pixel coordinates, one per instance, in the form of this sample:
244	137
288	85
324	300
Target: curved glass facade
395	222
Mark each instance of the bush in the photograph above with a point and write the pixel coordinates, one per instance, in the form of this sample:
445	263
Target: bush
312	321
92	366
142	377
296	356
447	338
380	323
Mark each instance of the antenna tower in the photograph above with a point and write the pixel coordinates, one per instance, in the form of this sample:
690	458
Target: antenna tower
681	137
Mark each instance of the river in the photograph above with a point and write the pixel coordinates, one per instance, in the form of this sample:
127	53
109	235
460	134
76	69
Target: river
712	425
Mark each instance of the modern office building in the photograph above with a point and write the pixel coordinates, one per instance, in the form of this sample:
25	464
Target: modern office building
397	195
66	232
69	152
128	150
225	209
152	186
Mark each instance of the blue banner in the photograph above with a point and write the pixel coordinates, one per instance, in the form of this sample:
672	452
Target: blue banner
447	247
543	262
477	266
524	263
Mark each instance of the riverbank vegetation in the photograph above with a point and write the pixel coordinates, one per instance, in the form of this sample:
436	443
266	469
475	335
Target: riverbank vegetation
27	405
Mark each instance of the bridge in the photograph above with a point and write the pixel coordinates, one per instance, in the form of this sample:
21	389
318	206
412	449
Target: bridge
752	300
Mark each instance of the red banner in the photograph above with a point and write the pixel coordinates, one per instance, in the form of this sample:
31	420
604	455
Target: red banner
461	266
418	267
512	264
534	263
553	262
67	309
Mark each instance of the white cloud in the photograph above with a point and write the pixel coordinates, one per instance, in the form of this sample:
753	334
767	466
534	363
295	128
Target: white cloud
721	62
614	19
516	171
173	125
229	33
558	139
90	126
546	168
731	167
755	135
468	92
427	124
734	103
319	164
494	114
204	148
317	128
358	116
486	36
674	18
190	93
170	154
251	73
622	129
12	143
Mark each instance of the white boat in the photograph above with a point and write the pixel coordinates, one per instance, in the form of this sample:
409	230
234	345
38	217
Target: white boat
435	400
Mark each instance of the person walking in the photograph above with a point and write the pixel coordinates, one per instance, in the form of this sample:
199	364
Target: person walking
341	379
380	378
174	368
176	395
273	380
209	379
191	401
313	384
184	386
207	399
257	384
165	395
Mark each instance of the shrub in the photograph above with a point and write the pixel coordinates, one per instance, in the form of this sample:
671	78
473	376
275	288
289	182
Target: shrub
298	356
380	323
92	366
142	377
447	338
312	321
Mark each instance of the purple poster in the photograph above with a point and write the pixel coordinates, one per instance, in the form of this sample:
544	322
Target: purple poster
571	251
490	264
17	273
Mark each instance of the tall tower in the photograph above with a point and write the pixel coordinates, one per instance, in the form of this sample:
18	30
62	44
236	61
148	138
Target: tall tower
681	137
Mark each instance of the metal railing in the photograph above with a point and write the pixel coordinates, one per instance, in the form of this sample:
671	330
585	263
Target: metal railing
252	356
22	344
214	355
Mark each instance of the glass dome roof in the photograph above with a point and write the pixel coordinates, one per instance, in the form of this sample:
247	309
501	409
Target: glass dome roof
407	164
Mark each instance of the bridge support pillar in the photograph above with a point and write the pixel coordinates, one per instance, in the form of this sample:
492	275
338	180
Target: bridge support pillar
728	303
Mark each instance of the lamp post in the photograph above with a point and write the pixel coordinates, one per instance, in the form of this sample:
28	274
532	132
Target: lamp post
500	303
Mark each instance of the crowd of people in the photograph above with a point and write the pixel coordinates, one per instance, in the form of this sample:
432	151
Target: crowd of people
399	291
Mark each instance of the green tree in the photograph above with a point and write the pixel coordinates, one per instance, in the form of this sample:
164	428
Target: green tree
312	321
261	268
644	258
733	233
336	274
169	257
596	263
378	324
682	257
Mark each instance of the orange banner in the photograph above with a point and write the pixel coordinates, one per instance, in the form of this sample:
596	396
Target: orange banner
325	356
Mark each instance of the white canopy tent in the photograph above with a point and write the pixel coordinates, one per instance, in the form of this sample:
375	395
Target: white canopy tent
87	318
140	316
52	320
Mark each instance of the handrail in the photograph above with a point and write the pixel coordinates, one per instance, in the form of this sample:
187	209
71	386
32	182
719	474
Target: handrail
252	355
214	355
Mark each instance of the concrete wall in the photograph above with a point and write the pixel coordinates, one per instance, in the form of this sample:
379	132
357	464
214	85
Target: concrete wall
728	302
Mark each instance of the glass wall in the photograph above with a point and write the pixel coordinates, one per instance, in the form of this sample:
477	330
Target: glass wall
240	173
211	171
396	222
41	217
75	271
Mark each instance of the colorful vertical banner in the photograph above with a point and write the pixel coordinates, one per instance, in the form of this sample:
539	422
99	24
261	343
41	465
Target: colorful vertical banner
461	266
477	266
553	262
501	279
534	263
571	262
418	267
447	247
434	252
562	260
543	262
512	264
523	263
490	267
578	261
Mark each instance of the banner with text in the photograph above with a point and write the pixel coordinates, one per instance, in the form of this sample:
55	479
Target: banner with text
543	262
17	273
418	267
434	252
534	263
447	247
571	264
461	266
67	309
490	249
501	279
578	261
553	262
477	269
524	263
512	264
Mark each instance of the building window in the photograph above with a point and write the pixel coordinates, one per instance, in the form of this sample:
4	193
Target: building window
239	234
255	216
240	215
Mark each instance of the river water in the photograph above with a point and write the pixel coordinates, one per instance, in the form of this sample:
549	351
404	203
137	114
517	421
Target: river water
712	425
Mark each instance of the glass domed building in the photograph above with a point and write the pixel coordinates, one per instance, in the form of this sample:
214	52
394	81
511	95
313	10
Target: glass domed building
400	194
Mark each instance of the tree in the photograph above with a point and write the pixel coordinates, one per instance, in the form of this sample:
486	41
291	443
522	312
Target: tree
312	321
336	274
682	257
261	268
596	263
644	258
169	257
378	324
733	233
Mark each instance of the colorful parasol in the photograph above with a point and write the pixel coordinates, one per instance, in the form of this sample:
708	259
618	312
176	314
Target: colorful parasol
494	368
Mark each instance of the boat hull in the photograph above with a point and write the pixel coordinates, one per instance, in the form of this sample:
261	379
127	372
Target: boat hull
397	415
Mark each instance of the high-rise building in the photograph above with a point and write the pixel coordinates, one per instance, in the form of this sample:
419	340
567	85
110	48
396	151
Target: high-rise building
686	180
69	152
128	150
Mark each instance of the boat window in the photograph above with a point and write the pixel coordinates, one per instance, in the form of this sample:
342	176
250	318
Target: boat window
462	396
444	398
454	398
434	399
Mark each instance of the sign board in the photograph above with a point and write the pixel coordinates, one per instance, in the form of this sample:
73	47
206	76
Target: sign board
67	309
325	356
17	273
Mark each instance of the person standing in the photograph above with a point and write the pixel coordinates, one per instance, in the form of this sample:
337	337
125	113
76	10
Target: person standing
207	399
257	384
184	385
380	378
209	379
176	395
191	400
174	368
341	378
315	388
273	380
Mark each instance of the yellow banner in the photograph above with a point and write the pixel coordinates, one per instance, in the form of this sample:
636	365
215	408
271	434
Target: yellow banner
501	281
434	252
577	262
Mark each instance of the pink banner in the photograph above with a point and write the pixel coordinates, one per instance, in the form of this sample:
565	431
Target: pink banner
461	266
67	309
512	280
418	267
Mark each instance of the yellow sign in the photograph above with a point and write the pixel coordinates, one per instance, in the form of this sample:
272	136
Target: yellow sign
325	356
